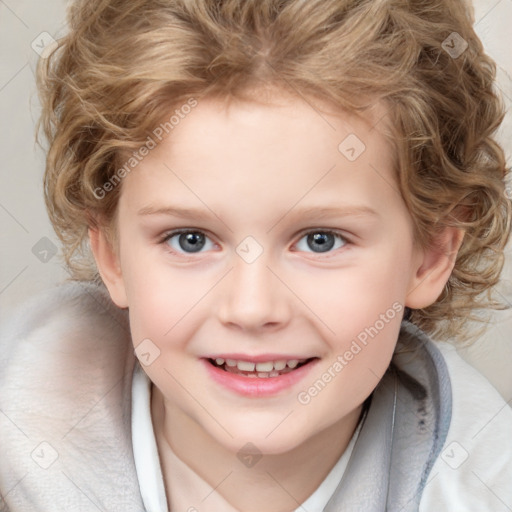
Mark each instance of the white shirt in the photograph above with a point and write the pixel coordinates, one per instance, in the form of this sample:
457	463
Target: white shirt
149	471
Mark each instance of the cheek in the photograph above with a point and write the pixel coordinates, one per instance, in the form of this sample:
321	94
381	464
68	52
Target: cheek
363	308
158	295
361	353
348	301
157	311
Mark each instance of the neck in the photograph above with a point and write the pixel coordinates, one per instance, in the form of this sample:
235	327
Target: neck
275	483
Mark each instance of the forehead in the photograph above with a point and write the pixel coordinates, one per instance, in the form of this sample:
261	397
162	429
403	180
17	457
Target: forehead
272	152
258	119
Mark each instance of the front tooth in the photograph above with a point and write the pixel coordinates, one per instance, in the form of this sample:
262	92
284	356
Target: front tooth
265	367
292	363
245	366
279	365
230	362
219	361
264	375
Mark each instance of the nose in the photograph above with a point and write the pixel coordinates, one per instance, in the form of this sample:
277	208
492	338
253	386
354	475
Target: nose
252	297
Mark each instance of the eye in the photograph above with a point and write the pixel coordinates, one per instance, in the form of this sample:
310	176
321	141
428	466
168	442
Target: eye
188	241
321	241
193	241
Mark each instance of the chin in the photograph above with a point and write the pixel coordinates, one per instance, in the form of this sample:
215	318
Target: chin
269	437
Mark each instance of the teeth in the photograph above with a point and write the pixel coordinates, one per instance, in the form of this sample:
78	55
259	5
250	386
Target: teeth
280	365
266	369
245	366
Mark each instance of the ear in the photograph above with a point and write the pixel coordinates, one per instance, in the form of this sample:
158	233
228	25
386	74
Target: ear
109	267
434	267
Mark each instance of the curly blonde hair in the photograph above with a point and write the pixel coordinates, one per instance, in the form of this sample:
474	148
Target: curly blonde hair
123	64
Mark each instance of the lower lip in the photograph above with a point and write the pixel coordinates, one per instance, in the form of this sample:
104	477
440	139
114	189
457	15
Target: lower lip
257	386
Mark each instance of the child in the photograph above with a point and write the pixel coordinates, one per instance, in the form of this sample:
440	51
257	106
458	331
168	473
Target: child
269	374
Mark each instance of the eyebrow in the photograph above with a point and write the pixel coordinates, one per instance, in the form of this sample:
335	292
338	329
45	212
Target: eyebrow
186	213
310	212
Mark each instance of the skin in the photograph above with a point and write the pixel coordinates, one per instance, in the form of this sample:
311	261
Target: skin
251	168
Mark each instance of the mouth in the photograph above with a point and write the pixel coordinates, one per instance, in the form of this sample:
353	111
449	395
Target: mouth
267	376
262	370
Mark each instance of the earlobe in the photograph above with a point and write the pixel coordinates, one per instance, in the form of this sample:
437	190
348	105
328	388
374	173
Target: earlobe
434	269
108	265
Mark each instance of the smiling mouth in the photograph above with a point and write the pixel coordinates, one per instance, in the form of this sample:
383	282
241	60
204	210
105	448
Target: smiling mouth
269	369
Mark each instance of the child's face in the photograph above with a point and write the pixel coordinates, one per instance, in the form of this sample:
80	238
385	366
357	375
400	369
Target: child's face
252	286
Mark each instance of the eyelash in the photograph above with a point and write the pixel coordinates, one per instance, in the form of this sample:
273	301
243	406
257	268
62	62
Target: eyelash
169	235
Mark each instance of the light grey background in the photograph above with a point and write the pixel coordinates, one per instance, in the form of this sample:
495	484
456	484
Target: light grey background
26	233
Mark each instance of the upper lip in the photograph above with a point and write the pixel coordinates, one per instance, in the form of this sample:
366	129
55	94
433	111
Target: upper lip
259	358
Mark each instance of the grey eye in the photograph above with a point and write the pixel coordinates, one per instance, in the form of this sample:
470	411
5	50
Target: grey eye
188	241
321	241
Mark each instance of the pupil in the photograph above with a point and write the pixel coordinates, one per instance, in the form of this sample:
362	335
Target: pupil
325	241
192	242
